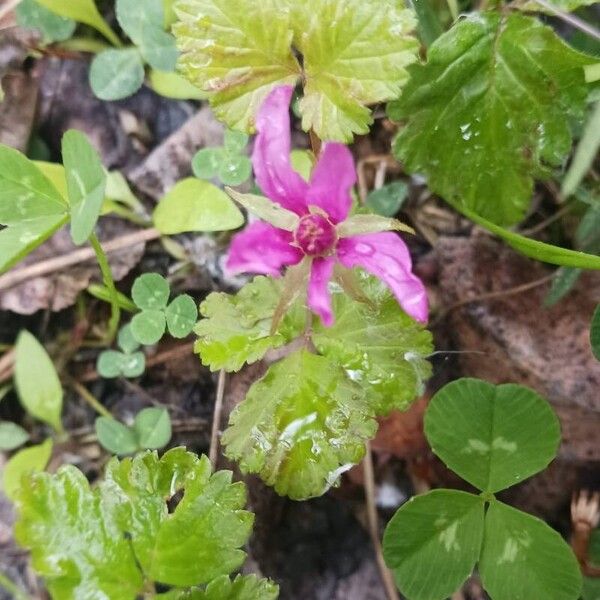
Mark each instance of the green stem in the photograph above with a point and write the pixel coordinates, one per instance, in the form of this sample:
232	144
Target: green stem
90	399
11	588
109	282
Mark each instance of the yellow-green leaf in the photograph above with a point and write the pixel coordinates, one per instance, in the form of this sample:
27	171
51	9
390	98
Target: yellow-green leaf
238	50
37	382
32	459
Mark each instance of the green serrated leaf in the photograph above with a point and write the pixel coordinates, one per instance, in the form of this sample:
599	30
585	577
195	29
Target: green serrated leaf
75	541
116	74
182	315
54	28
562	5
29	460
86	184
153	428
524	558
388	200
492	436
12	436
149	326
237	49
301	426
200	539
595	333
151	291
492	103
355	53
243	587
116	437
236	329
440	532
380	346
83	11
195	205
42	395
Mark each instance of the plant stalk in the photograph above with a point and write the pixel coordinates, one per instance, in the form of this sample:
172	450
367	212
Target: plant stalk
109	282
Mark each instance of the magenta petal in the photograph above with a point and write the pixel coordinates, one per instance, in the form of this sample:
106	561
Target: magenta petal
319	298
271	157
386	256
332	182
262	248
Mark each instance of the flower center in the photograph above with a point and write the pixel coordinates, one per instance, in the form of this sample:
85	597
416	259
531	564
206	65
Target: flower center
315	235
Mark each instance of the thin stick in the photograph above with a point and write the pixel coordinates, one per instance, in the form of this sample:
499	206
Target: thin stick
12	4
51	265
90	398
12	588
109	282
519	289
216	424
571	19
373	520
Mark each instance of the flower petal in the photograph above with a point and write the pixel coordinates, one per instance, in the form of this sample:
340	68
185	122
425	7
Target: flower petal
271	157
386	256
262	248
319	298
332	182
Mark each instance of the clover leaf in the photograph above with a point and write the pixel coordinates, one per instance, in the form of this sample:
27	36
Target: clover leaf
228	163
476	429
127	363
54	28
151	430
138	539
300	426
151	293
492	103
492	436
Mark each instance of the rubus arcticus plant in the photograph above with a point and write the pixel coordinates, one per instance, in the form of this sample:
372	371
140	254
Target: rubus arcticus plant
486	113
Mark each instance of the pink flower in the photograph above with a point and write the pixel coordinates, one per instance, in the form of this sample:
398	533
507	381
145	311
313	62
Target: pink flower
312	220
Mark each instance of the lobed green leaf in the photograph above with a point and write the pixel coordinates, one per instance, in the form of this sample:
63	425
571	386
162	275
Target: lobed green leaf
301	426
492	103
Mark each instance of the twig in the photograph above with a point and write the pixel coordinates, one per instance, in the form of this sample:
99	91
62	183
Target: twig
11	5
11	588
373	520
7	362
89	398
551	219
216	424
51	265
570	19
519	289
